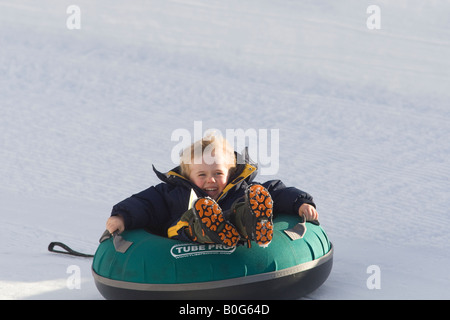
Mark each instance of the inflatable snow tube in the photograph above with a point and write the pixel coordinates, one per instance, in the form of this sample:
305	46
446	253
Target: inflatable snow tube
155	267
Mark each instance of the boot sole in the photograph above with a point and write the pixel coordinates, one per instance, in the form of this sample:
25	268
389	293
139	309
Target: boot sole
213	223
261	206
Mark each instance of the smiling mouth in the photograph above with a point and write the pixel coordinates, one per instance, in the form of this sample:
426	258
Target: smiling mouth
212	192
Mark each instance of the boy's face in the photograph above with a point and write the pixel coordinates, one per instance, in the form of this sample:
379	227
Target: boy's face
212	178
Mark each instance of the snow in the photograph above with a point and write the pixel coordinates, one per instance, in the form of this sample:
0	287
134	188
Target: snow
363	118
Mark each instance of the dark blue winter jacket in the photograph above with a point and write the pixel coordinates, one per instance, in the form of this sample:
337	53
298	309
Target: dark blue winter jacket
161	206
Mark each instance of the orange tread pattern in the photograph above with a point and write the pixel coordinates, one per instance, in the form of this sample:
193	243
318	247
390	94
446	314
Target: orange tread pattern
212	218
261	204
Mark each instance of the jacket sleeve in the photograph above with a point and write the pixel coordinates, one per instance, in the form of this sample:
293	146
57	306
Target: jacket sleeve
146	209
287	199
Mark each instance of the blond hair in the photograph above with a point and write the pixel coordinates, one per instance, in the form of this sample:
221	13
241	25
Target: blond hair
209	149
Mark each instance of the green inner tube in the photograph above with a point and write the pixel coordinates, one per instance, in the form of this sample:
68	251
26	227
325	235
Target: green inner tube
158	264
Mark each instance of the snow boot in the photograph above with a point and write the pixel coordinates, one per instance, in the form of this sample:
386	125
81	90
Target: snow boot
206	224
253	217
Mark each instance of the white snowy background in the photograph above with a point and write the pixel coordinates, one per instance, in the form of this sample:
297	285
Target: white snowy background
363	118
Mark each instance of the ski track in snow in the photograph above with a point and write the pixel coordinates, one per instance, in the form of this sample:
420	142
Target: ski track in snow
363	119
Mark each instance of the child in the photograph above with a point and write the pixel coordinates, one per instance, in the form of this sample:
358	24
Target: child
230	207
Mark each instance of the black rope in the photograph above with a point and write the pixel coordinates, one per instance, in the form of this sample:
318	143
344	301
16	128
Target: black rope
69	251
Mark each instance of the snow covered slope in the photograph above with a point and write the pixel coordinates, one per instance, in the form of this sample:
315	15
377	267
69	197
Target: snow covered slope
363	118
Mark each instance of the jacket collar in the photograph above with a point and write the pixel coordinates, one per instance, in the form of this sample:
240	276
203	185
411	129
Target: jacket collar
246	170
